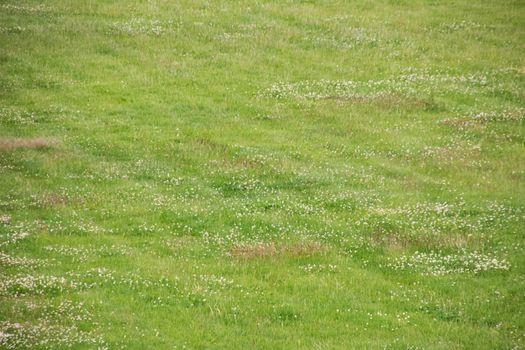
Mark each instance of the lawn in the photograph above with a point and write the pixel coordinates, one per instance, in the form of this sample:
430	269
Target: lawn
262	174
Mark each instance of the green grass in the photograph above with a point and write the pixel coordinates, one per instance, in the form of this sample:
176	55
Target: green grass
262	174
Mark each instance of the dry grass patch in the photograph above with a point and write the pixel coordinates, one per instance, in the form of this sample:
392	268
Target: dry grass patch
208	145
245	162
482	119
381	100
389	242
53	200
463	122
259	250
27	143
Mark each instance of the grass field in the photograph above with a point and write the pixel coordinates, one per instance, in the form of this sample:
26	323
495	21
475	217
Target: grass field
262	174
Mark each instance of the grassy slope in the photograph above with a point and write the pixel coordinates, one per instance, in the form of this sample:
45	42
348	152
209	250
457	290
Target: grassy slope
226	216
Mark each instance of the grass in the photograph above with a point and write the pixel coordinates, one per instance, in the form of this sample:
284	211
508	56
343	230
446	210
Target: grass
270	174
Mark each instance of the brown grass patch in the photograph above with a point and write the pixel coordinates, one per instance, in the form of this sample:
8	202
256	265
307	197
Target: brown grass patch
465	123
483	120
245	162
389	242
385	101
27	143
240	162
52	200
461	122
210	145
271	250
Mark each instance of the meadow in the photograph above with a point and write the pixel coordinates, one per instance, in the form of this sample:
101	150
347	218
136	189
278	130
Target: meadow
262	174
